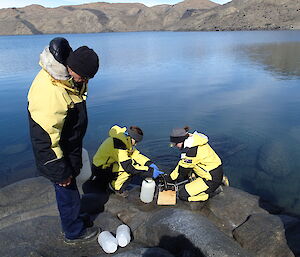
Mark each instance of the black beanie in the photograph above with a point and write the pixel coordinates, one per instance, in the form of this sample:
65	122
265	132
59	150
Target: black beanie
84	61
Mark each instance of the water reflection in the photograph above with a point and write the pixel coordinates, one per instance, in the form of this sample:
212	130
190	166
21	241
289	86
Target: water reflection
239	88
282	59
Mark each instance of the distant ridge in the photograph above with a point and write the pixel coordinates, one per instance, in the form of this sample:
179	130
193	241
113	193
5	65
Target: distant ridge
190	15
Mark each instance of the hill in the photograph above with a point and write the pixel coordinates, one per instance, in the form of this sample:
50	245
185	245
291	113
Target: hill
189	15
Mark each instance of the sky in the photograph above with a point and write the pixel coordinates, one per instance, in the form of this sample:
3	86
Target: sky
55	3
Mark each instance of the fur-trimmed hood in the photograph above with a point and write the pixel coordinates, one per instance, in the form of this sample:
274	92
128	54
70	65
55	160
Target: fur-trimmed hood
54	68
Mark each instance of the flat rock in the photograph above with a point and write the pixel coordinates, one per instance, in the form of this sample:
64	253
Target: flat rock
42	236
263	234
230	208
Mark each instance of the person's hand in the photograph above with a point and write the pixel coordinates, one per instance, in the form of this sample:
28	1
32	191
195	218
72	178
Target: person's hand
154	166
66	182
156	173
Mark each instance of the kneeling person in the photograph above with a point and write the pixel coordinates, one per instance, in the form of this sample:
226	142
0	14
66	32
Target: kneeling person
117	160
199	166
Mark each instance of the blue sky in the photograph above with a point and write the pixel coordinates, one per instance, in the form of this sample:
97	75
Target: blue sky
55	3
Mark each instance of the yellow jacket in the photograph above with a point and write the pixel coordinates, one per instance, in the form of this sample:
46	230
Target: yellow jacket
118	152
57	120
198	156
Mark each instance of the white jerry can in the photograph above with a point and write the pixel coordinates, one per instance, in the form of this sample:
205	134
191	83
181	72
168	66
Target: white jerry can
147	190
86	171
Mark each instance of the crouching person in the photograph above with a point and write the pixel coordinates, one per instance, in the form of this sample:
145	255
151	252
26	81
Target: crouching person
199	168
117	160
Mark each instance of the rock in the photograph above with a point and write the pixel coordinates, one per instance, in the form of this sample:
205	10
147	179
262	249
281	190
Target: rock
181	231
292	232
26	199
145	252
263	234
230	208
276	158
42	236
107	222
30	225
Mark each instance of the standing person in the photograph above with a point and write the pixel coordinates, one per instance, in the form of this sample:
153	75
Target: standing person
117	160
58	122
199	165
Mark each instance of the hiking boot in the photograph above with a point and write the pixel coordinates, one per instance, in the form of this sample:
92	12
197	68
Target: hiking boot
89	235
123	194
86	218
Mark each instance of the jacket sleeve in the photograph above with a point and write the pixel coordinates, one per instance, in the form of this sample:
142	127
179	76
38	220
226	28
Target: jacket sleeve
47	113
135	164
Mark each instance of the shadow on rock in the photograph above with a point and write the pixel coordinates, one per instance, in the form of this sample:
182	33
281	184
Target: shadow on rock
93	199
180	246
292	232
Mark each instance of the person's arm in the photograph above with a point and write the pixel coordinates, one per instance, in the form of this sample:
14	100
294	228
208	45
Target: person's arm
131	164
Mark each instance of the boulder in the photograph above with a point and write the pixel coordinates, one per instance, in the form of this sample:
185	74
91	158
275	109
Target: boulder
107	222
231	208
276	158
263	234
26	199
183	232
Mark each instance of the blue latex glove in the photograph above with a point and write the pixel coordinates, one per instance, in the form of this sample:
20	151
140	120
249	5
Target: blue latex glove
156	173
154	166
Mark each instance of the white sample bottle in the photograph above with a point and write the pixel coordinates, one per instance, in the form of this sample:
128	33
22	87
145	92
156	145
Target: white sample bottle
108	242
85	172
123	235
147	190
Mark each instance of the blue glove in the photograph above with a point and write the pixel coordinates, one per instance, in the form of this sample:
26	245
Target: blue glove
156	173
154	166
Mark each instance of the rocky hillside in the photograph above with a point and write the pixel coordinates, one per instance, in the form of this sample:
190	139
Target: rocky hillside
246	15
186	15
96	17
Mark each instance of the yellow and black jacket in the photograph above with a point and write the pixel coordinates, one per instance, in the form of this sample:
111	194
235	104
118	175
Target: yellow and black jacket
200	165
117	153
57	120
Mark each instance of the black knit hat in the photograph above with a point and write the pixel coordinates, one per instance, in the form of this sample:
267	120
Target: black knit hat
136	136
60	49
84	61
178	135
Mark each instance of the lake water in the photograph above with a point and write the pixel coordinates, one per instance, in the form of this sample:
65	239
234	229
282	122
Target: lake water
240	88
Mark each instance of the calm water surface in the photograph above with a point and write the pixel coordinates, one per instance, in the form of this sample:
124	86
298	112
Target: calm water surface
240	88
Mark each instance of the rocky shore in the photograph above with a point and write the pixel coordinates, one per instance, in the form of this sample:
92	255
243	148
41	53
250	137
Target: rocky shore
188	15
232	223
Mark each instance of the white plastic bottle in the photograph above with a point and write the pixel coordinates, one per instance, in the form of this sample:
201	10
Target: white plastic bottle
85	171
123	235
147	190
108	242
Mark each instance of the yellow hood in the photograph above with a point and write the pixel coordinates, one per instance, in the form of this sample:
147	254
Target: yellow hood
196	139
118	132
